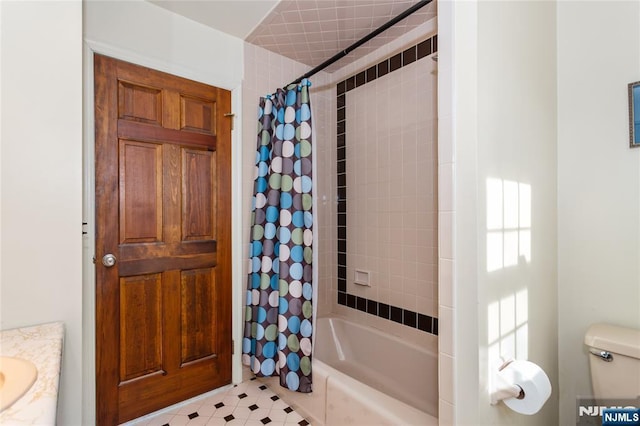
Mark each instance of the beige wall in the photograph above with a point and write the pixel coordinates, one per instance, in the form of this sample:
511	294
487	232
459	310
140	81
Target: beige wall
41	174
503	128
598	182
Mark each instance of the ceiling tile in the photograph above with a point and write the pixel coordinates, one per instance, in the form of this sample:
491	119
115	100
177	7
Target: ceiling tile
312	31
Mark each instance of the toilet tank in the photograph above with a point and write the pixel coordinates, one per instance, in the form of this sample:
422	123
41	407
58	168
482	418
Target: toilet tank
614	359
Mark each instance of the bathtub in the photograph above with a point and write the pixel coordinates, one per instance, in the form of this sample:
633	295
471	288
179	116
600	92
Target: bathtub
362	376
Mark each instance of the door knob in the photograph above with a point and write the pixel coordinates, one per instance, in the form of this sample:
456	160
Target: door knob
109	260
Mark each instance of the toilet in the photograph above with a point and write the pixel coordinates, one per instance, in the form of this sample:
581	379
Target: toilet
614	359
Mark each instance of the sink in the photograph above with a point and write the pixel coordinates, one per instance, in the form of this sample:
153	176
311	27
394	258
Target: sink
16	378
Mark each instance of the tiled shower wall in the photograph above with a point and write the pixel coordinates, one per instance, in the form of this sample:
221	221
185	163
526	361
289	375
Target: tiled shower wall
407	232
391	191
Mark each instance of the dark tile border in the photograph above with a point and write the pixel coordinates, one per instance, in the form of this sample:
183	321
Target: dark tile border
406	317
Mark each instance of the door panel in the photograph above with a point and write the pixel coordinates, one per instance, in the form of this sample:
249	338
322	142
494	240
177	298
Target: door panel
163	312
141	345
198	115
198	195
198	288
140	192
140	103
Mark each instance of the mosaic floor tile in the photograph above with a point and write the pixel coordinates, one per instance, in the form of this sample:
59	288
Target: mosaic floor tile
250	403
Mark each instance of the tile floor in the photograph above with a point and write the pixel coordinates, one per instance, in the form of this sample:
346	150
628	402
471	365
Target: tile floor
249	403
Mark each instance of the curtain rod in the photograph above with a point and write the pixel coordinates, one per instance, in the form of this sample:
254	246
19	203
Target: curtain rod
363	40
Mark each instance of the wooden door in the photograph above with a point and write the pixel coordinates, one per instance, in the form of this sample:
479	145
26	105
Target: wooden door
163	196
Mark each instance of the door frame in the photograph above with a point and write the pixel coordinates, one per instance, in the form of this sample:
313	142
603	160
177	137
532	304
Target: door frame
90	48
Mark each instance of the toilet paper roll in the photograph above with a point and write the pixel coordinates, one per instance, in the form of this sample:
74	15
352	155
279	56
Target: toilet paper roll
532	380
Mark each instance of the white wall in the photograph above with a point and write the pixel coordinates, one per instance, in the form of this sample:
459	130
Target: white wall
41	173
140	32
598	182
503	128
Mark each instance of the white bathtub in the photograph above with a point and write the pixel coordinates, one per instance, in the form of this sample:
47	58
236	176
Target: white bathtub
362	376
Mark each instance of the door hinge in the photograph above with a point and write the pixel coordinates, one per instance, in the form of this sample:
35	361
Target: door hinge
233	347
232	115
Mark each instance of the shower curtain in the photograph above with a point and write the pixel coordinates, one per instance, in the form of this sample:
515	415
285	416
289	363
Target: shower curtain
278	313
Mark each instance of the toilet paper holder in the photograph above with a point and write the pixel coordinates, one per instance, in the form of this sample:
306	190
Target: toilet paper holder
503	390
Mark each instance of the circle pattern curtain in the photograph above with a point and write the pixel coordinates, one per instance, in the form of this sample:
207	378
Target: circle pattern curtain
278	313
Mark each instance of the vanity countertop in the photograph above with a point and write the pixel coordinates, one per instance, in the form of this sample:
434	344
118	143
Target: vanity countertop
42	345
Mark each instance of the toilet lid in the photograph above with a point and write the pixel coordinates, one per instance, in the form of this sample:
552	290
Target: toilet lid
615	339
